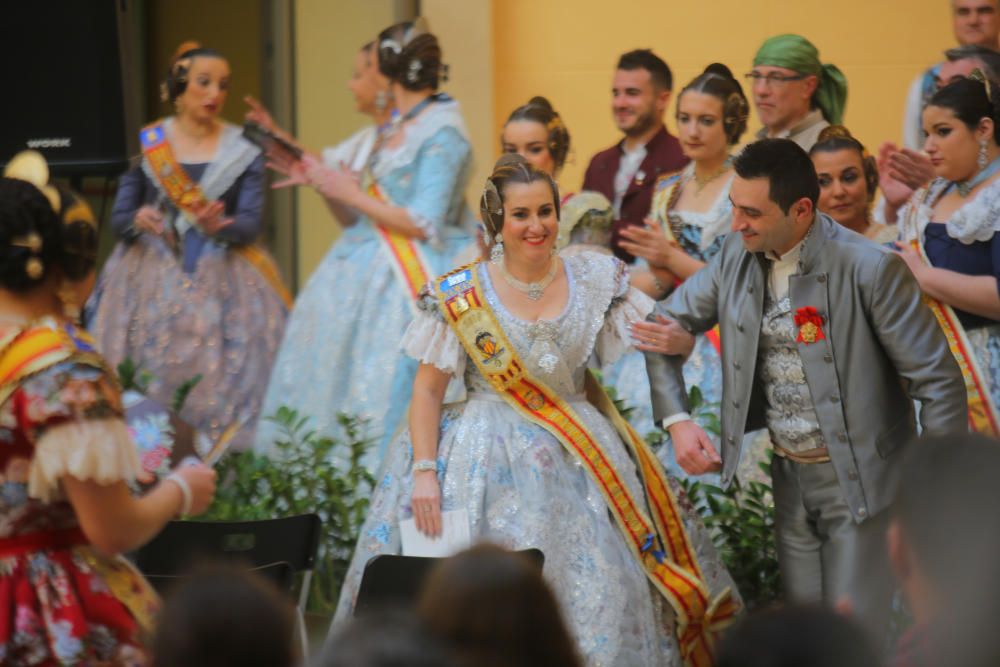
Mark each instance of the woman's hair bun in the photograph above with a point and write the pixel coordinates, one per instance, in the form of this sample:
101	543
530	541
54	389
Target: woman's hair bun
720	70
539	101
509	160
183	48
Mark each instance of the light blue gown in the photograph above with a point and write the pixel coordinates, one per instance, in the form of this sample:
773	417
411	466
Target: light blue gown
700	235
522	489
341	352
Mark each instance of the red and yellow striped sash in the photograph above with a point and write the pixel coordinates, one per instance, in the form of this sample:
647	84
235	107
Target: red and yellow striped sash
186	195
177	185
983	417
27	351
408	261
659	542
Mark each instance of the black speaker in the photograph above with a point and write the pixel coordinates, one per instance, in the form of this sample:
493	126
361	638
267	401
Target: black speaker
69	90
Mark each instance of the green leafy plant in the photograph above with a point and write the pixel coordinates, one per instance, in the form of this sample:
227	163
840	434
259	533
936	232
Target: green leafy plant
741	521
131	376
305	472
182	392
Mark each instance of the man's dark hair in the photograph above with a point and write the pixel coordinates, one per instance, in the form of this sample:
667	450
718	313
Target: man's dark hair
790	173
659	71
987	56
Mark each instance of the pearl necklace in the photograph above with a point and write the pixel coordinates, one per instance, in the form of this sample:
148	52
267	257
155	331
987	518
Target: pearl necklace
533	291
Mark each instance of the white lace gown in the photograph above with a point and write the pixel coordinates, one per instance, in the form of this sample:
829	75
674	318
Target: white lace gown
522	489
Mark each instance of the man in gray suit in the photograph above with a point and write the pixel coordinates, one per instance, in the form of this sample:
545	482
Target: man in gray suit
825	341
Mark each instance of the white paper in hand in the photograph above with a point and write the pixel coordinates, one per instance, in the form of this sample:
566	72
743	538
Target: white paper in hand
454	536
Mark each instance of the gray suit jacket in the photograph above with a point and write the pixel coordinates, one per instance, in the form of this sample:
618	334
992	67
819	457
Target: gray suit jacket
883	350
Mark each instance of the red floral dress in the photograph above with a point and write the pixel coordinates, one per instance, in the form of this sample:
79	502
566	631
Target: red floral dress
61	602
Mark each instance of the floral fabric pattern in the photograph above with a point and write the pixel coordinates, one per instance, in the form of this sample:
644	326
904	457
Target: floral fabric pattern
56	605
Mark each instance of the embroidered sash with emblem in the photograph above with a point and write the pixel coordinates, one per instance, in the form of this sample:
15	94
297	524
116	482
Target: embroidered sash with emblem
187	196
657	537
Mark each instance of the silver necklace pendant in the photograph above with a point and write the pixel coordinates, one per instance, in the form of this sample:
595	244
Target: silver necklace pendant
535	291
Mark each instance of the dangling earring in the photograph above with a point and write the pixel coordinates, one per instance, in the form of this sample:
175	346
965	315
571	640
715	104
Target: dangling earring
381	101
982	160
67	295
496	252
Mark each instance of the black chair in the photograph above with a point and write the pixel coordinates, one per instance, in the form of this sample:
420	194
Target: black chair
390	580
181	544
280	574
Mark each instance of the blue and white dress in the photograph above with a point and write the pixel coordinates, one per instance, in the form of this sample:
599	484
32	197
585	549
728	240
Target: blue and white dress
700	235
341	348
968	243
520	486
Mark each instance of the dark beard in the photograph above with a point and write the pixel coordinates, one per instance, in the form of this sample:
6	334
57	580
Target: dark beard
643	124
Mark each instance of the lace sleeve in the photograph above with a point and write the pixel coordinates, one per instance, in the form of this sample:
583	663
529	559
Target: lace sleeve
430	340
627	306
73	416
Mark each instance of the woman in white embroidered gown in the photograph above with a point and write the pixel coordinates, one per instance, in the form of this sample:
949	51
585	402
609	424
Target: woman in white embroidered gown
521	488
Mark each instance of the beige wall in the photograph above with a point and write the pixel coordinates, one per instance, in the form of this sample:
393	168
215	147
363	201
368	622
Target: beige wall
566	50
328	34
465	28
232	27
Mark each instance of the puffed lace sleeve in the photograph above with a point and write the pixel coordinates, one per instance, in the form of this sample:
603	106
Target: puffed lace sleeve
430	340
628	305
72	413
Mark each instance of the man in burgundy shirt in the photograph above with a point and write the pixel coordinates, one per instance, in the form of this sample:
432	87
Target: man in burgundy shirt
627	172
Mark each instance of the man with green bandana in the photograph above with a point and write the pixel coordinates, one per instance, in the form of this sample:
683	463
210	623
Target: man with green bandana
795	94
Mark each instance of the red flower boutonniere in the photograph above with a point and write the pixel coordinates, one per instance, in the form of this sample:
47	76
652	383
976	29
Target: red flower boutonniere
810	324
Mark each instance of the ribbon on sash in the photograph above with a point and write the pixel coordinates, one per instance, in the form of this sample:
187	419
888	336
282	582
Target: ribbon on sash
407	260
188	196
657	539
983	416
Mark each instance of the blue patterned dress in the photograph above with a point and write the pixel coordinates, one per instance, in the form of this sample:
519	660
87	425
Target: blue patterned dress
341	348
700	235
520	486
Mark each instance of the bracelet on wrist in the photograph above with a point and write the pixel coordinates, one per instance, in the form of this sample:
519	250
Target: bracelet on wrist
188	497
424	465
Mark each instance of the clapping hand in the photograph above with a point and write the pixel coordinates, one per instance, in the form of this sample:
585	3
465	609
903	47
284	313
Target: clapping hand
208	217
340	184
899	173
649	242
259	114
149	219
910	167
